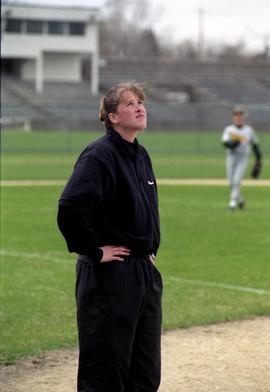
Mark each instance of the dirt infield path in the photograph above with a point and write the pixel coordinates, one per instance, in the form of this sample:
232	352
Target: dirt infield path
228	357
160	181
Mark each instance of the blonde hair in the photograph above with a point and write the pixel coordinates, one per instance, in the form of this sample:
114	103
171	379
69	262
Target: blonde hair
112	98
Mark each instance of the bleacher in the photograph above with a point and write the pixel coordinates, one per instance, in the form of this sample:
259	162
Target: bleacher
61	105
210	89
234	82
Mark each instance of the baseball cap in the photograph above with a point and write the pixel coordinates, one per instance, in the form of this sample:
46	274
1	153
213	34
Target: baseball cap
238	109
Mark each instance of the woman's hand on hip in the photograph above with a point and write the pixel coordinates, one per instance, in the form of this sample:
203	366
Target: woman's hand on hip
114	253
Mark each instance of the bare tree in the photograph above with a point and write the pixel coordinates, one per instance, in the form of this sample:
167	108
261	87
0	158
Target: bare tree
126	29
235	51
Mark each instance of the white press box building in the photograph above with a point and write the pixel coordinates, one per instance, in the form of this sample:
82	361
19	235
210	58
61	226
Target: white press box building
48	43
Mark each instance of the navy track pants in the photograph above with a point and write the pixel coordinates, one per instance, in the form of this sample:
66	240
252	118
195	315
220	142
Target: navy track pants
119	320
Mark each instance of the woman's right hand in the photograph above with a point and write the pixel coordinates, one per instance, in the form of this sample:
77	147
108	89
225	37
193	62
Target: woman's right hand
114	253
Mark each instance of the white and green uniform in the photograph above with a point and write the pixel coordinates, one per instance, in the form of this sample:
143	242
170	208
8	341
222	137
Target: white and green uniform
237	158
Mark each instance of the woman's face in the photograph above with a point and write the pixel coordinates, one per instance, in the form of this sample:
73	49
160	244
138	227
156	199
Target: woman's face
131	114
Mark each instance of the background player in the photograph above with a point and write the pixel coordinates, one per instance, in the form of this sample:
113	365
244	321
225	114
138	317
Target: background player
238	139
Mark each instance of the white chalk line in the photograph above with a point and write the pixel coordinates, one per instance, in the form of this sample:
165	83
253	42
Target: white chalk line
37	256
160	181
217	285
196	282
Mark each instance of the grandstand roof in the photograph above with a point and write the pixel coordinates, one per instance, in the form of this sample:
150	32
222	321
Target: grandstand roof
43	5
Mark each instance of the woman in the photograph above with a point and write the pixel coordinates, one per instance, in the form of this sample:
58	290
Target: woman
108	214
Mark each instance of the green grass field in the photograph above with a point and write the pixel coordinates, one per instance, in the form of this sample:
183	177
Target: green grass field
49	155
215	264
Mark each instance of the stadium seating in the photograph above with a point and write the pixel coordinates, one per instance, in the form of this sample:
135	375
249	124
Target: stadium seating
208	93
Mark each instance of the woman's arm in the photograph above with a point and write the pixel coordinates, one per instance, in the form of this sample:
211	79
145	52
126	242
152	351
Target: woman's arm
80	201
84	193
75	225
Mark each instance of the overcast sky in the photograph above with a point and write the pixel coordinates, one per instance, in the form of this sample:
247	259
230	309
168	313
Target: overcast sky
224	20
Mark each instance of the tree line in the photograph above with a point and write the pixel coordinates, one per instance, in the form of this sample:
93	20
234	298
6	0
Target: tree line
126	29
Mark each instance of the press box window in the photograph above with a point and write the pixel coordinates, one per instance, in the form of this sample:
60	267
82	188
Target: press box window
76	28
56	28
34	26
14	25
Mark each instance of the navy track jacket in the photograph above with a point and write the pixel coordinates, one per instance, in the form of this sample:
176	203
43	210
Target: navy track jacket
111	199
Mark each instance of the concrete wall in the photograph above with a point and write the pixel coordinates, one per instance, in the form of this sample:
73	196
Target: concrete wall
30	45
62	67
56	67
28	70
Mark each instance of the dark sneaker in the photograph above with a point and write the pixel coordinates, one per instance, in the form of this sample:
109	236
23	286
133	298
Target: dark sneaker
241	205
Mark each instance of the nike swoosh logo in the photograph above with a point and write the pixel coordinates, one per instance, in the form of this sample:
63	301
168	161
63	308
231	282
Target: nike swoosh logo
151	182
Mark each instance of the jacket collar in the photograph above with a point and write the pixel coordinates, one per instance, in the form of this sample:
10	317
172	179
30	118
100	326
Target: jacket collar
125	146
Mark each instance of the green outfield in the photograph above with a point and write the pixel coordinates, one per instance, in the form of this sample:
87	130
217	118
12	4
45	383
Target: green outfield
215	263
51	155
